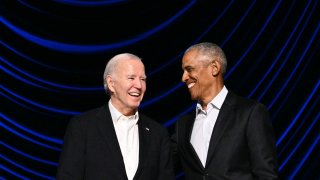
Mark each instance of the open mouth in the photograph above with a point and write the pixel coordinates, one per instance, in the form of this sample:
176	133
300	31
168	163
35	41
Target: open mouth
135	94
190	85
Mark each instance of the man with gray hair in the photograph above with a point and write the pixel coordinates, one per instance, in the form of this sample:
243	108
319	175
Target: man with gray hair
227	136
115	141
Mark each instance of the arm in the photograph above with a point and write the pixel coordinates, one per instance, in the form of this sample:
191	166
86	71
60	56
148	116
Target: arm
71	163
166	166
261	142
174	149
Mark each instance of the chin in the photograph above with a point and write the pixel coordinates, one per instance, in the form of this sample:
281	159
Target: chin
193	97
135	105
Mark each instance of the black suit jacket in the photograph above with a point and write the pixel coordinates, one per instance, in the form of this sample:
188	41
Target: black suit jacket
91	150
242	145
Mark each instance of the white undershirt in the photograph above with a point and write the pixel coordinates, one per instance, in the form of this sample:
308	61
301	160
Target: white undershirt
204	123
128	138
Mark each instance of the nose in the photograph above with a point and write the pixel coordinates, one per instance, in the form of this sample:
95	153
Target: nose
184	77
139	83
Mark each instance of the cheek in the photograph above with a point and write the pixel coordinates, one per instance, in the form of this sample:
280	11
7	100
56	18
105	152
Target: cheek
196	74
123	89
144	86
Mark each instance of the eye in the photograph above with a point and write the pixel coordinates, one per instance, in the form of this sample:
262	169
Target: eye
189	69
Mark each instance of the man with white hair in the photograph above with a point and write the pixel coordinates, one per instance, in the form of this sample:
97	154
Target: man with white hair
115	141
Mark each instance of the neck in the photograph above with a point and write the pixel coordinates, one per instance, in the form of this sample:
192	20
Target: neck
212	94
126	111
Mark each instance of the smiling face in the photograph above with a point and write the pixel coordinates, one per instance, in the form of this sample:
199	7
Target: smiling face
199	74
128	85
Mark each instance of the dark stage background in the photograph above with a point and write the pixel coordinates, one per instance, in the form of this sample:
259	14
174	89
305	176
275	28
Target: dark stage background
53	54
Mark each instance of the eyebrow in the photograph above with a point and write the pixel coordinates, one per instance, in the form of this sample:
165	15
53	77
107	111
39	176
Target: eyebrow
132	75
187	67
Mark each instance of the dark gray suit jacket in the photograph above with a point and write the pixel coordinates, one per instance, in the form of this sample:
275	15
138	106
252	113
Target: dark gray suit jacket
242	145
91	150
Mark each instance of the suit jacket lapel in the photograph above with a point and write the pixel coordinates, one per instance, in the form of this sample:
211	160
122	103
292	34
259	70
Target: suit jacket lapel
220	125
144	141
188	144
108	132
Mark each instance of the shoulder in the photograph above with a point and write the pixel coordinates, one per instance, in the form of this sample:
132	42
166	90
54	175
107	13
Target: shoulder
89	116
187	116
243	102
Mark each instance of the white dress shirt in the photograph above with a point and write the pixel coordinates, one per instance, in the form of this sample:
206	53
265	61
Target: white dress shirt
128	138
204	123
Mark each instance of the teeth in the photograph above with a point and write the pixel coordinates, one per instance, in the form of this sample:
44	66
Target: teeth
135	94
191	85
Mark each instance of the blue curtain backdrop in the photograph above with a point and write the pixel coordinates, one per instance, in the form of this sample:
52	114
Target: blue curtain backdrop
53	54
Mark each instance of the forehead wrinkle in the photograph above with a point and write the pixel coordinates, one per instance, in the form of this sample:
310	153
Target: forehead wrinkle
135	71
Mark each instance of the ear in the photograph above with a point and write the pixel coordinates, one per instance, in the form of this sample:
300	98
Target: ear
110	83
215	68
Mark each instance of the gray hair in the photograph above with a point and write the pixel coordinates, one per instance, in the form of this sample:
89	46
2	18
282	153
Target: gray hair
212	51
112	66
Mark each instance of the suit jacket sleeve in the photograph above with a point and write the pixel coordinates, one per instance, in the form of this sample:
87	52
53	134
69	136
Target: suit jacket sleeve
166	164
261	142
71	163
174	149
